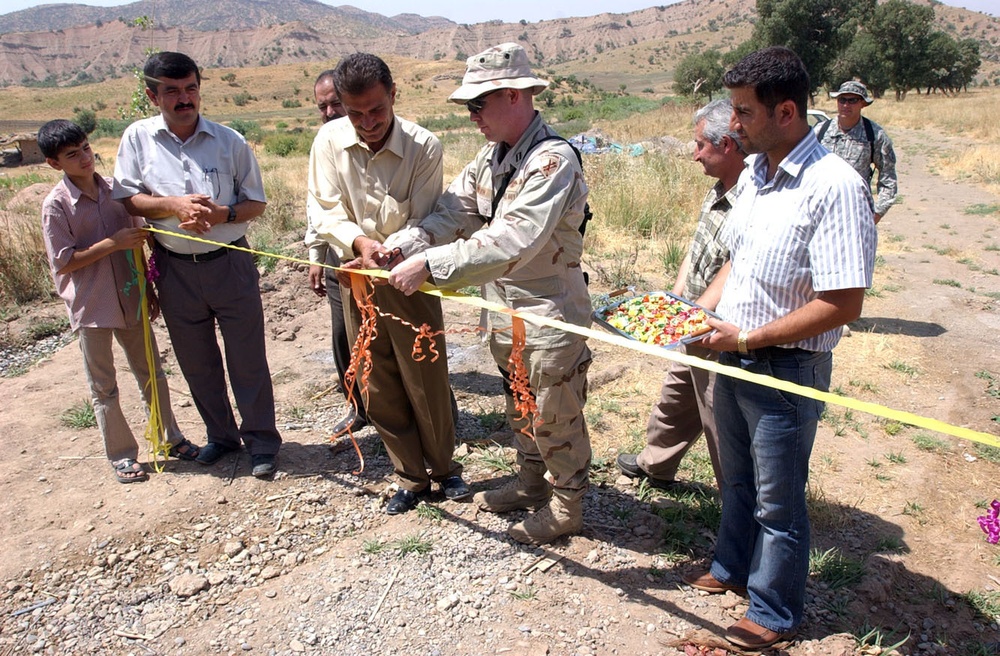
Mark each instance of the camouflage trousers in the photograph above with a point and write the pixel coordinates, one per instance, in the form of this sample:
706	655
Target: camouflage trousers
558	379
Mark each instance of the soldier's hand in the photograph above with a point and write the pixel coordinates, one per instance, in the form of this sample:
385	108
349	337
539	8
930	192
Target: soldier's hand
409	275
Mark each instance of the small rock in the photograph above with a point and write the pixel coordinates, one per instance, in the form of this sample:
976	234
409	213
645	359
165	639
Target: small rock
447	603
188	585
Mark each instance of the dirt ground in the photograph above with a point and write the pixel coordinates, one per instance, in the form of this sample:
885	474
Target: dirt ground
926	344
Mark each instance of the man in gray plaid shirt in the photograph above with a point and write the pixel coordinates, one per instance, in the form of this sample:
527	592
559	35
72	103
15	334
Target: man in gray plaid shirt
685	407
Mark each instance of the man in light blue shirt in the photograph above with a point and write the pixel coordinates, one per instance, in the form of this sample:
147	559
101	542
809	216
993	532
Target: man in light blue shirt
802	239
187	175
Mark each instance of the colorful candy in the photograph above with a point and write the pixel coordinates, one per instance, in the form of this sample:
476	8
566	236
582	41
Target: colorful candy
656	318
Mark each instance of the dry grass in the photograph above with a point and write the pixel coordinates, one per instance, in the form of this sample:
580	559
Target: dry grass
979	164
419	93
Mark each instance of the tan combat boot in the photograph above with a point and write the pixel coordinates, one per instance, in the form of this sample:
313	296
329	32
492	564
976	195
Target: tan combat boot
528	490
563	515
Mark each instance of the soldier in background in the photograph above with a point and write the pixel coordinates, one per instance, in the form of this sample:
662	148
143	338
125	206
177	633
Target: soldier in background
861	142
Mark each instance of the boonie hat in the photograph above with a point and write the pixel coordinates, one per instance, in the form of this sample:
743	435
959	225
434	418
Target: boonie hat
505	66
855	87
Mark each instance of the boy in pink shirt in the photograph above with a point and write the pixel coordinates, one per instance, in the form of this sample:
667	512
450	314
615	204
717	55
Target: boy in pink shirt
87	237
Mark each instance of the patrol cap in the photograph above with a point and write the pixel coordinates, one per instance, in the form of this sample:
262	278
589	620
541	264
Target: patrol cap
505	66
855	87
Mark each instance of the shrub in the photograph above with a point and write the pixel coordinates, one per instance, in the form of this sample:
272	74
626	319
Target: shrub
250	130
242	98
86	119
441	123
290	103
286	143
110	127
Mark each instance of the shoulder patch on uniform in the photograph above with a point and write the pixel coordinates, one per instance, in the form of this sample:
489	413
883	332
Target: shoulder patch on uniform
548	164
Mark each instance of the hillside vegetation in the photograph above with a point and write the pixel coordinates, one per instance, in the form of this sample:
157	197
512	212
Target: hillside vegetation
639	49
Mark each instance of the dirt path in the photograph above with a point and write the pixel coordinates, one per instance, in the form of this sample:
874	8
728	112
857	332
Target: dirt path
295	565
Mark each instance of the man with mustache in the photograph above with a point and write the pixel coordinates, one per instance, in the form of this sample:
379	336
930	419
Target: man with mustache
684	410
188	175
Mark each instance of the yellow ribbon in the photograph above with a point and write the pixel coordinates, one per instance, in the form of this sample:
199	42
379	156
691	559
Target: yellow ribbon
660	352
158	447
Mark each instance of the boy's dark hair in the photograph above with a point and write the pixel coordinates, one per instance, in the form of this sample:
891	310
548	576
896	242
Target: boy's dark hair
360	71
776	74
173	65
56	135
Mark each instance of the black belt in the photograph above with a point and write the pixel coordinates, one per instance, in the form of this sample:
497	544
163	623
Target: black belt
772	352
203	257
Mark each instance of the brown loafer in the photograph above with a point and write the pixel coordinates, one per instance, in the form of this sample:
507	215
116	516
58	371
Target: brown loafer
750	635
705	581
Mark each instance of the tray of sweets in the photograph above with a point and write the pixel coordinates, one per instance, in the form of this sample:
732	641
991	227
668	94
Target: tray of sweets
658	318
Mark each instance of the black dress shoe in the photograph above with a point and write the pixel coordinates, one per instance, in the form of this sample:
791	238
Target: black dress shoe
212	452
404	500
354	422
454	488
629	464
264	464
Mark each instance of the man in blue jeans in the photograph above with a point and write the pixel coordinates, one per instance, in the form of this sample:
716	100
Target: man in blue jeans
802	237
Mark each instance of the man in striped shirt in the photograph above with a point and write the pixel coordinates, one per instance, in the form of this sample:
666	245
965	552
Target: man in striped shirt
802	240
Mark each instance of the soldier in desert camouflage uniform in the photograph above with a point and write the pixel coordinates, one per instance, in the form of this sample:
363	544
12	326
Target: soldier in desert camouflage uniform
512	221
861	142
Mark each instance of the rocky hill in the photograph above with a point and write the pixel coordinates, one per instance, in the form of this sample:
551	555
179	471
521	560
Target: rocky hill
106	42
219	15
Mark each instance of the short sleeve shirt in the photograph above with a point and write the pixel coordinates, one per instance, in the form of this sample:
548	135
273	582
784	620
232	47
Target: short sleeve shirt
105	293
808	230
215	161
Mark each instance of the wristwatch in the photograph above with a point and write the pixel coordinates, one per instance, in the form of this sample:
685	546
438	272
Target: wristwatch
232	214
741	342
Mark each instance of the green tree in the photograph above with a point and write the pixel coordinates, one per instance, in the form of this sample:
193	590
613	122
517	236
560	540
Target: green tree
817	30
943	57
699	74
901	31
861	60
969	62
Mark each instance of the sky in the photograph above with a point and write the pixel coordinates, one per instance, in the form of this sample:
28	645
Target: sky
509	11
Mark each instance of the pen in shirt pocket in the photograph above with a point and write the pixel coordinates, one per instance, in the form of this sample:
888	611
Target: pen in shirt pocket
212	177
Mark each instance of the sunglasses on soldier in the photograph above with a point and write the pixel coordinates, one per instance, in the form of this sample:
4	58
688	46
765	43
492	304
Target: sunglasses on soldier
476	105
